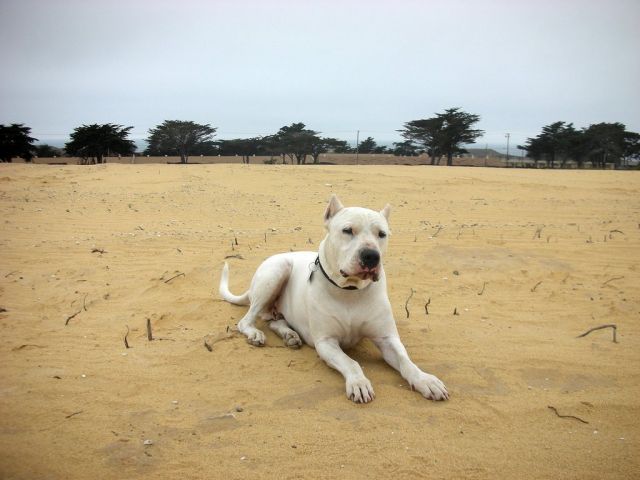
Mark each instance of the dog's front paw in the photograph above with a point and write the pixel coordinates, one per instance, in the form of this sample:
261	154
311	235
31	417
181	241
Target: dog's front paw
360	390
292	339
256	338
430	387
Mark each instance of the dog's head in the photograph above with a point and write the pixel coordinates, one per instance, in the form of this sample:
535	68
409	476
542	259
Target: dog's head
356	241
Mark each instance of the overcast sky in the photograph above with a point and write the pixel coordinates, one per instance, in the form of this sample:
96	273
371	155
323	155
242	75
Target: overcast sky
250	67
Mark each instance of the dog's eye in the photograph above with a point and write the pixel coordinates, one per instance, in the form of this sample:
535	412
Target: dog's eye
348	230
382	234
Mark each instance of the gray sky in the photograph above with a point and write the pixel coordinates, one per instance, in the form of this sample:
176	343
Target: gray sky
250	67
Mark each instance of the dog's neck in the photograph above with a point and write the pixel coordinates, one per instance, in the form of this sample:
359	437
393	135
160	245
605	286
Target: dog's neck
332	271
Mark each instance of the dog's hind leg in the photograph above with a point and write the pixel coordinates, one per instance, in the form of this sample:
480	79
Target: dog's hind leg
284	331
268	281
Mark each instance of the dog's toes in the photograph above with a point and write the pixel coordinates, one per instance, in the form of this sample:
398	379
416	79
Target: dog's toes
360	390
292	340
256	338
431	387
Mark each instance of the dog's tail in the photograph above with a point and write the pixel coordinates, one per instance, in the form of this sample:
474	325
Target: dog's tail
224	289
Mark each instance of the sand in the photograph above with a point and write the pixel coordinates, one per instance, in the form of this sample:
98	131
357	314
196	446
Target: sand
526	259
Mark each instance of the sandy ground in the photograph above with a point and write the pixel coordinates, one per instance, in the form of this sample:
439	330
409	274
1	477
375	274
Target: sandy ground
527	260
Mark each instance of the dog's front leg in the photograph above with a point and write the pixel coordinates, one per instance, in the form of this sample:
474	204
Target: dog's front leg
396	355
359	388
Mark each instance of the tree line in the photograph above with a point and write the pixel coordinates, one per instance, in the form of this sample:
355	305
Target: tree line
440	137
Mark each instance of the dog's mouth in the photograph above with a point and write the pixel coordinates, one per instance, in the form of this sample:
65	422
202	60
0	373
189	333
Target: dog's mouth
364	274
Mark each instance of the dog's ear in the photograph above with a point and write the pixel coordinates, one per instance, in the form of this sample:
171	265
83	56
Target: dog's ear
335	205
386	211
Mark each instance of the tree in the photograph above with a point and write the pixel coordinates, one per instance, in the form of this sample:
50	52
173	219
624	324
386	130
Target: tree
16	142
92	143
609	143
295	141
600	144
368	145
557	141
444	134
246	147
180	138
47	151
405	149
328	144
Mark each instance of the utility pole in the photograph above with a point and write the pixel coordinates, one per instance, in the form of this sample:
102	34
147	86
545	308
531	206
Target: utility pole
357	145
508	135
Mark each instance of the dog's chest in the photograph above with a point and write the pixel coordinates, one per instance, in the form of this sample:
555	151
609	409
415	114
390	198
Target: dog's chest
348	322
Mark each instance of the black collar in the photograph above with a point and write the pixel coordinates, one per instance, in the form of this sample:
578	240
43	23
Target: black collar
317	262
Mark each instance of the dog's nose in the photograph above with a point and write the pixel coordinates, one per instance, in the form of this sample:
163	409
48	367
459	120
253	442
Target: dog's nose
369	258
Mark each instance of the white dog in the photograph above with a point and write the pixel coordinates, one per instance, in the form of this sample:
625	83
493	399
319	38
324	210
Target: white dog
333	299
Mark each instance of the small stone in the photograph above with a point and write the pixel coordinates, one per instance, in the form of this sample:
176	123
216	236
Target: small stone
148	442
175	402
239	408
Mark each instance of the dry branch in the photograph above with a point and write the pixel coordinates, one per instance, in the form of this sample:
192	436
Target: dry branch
426	306
406	304
74	414
126	343
482	291
538	232
611	280
536	286
555	410
613	326
70	317
175	276
149	332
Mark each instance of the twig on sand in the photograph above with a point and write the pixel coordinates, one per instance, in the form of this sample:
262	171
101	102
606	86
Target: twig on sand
126	343
74	414
455	311
536	286
426	306
406	304
207	346
70	317
615	231
613	326
538	232
98	250
555	410
149	332
237	255
436	234
84	302
612	280
482	291
175	276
